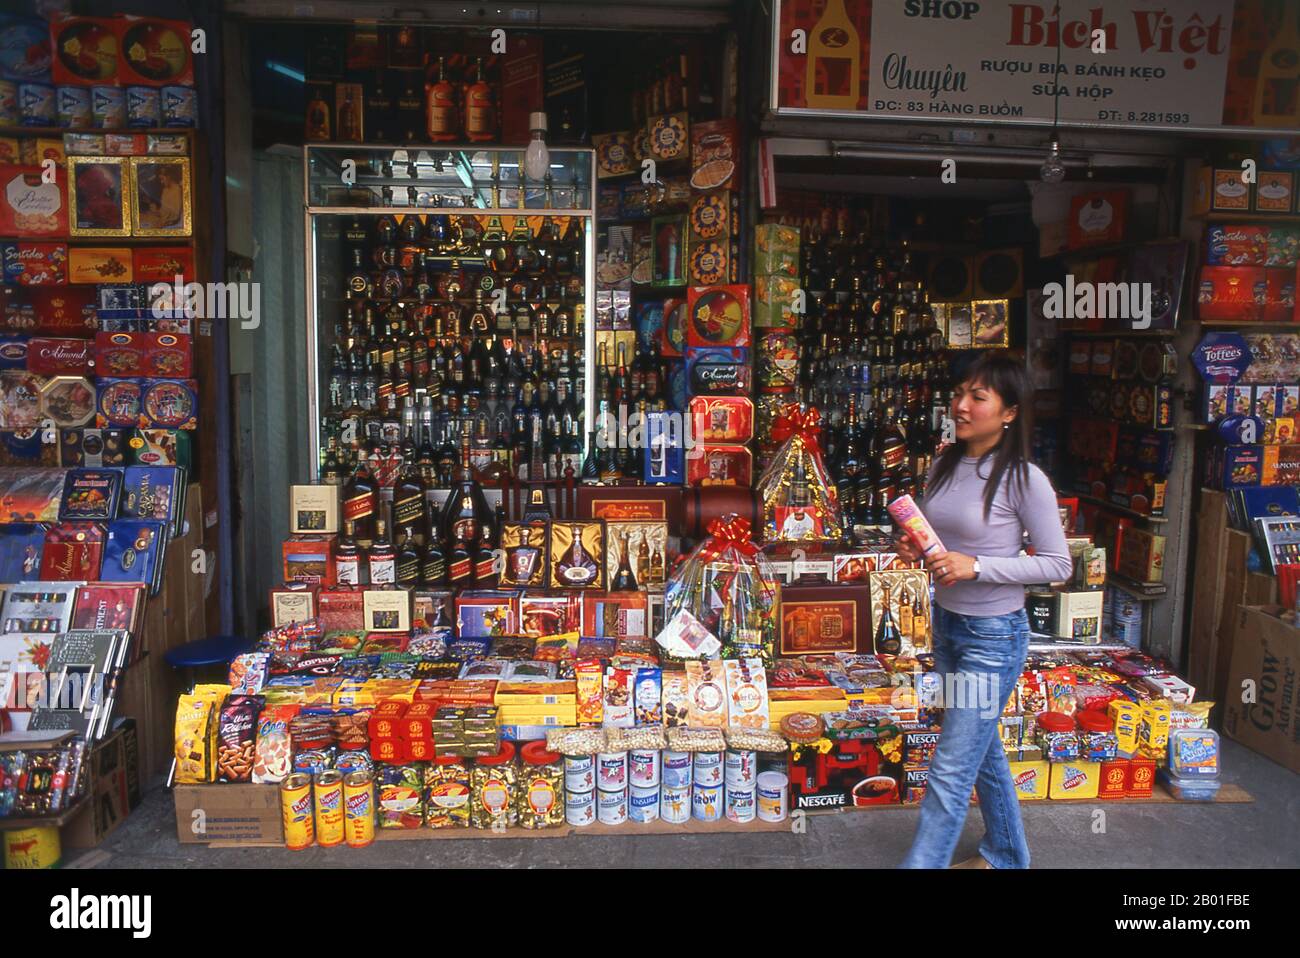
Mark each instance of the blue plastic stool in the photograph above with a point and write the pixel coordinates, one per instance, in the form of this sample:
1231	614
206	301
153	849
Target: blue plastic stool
214	650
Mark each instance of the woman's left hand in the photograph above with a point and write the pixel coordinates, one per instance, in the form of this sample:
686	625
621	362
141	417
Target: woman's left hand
952	567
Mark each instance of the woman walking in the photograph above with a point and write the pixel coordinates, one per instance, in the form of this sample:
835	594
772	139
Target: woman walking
981	496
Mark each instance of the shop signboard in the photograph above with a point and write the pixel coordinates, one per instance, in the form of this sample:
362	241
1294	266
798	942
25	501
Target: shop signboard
1199	65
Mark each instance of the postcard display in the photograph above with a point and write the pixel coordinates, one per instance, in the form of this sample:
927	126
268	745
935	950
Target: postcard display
98	390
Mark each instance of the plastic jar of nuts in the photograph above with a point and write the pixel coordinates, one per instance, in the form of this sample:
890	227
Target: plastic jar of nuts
447	802
540	796
493	782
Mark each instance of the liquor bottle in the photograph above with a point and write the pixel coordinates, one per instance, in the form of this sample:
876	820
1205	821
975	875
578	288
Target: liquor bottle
888	641
410	508
905	611
538	509
480	110
318	118
359	283
409	561
920	621
349	117
379	109
463	518
360	495
441	121
643	559
433	563
656	567
381	558
412	119
347	557
576	567
624	580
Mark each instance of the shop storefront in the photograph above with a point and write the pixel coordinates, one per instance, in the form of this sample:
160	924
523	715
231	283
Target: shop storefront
554	391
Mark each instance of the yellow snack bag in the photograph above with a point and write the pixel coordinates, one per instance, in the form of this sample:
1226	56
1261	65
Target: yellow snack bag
196	733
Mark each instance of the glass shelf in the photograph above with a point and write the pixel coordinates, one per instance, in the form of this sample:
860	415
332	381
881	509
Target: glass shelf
427	177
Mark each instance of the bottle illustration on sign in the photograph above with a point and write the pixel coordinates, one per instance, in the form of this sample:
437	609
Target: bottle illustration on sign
834	60
1277	88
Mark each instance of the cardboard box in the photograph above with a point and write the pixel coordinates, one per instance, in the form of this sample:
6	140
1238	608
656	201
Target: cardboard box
114	788
1266	652
1143	558
1078	616
314	510
825	618
247	814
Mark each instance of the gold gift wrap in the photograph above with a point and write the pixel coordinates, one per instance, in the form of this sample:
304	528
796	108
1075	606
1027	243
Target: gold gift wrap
654	534
913	622
564	551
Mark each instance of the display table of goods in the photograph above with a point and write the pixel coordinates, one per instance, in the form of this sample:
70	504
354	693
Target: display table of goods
414	741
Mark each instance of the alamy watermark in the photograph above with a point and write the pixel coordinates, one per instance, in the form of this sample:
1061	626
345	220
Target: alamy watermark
1130	302
230	301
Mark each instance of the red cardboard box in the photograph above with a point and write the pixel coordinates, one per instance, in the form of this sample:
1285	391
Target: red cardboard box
1141	778
1097	218
49	356
30	207
1279	295
153	52
162	264
85	50
64	310
1231	293
1115	775
722	419
825	618
721	466
309	559
341	609
386	719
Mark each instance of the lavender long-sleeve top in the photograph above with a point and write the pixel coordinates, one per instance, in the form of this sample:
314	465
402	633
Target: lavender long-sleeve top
956	512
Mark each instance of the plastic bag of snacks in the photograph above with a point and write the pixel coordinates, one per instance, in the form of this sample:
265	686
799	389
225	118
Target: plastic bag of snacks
800	503
722	599
196	733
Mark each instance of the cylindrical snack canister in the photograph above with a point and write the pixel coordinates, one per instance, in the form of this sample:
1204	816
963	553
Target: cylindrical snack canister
359	804
741	768
29	848
708	769
329	808
740	803
579	773
108	107
706	802
643	767
611	771
580	808
296	812
773	796
676	769
73	107
143	107
611	807
643	803
8	103
675	804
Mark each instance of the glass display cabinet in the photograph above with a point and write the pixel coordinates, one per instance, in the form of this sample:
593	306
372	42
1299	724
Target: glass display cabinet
448	305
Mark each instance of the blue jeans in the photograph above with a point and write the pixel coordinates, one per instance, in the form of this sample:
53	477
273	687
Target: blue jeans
980	659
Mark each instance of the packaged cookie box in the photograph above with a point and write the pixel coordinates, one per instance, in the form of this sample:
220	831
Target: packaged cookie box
1231	293
1234	244
776	250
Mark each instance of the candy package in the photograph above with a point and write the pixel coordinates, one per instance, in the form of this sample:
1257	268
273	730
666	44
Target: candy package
722	599
799	499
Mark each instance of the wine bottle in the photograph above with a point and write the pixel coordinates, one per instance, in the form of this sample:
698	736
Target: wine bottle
464	518
888	641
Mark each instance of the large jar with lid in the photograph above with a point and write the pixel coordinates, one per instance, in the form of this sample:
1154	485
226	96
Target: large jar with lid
447	793
1097	739
493	783
1057	737
540	795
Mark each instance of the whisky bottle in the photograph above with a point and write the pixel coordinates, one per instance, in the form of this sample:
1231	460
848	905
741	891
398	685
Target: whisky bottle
466	519
360	495
624	580
347	557
656	566
433	563
643	559
409	561
410	508
905	611
381	558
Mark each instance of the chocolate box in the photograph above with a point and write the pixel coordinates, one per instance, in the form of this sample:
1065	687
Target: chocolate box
1143	556
722	419
1230	191
1281	465
1235	244
51	356
162	264
718	316
718	371
87	264
720	466
1233	293
1274	191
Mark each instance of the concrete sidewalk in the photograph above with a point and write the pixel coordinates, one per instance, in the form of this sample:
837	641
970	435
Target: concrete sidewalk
1262	834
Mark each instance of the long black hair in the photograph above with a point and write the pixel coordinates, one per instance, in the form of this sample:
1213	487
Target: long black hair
1005	375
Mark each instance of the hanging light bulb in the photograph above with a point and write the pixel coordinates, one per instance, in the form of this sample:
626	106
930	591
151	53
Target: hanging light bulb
537	158
1052	170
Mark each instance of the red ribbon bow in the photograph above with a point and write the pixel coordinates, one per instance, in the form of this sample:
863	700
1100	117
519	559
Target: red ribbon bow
806	424
729	532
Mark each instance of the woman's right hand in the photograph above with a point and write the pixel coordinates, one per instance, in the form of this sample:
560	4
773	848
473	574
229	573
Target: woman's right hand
906	549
